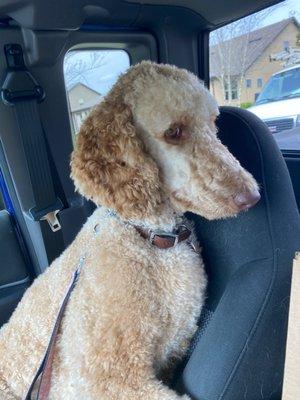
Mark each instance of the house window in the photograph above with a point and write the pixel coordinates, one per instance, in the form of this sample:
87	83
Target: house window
248	83
231	88
286	45
259	82
89	75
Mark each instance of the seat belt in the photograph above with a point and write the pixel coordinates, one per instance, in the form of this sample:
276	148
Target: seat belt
21	91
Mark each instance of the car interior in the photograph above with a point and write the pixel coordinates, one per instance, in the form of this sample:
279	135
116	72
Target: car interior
238	351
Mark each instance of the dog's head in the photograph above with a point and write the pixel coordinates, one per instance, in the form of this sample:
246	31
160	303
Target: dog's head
154	138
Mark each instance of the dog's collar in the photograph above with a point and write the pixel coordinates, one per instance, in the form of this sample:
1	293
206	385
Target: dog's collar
159	238
162	239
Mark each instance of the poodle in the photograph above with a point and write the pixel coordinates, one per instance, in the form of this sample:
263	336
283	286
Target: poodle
145	155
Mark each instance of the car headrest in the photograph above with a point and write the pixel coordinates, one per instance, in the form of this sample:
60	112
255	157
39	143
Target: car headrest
239	354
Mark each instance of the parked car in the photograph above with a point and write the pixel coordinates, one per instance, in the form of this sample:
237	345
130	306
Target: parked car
278	106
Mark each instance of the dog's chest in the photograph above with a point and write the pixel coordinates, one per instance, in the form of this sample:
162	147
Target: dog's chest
165	287
179	284
182	281
173	280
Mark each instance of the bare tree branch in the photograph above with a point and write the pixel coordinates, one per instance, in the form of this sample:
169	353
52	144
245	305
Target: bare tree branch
77	66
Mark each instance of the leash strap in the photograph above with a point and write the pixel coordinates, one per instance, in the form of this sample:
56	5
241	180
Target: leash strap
45	369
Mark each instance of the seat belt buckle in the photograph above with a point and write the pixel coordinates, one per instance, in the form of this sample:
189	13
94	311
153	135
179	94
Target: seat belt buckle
52	220
48	214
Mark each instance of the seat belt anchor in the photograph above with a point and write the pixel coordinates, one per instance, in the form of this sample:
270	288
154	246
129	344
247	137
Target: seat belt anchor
19	84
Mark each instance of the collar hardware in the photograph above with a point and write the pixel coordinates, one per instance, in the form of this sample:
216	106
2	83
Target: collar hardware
163	239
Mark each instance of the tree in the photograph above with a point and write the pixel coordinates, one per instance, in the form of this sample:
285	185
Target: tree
78	64
231	47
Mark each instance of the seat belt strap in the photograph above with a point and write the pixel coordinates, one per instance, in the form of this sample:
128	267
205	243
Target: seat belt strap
21	91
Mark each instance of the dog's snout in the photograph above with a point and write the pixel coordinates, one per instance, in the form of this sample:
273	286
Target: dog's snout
246	200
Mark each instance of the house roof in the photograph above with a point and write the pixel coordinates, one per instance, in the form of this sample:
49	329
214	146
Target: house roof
244	49
72	86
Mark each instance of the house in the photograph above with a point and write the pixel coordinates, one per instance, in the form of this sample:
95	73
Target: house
240	67
81	101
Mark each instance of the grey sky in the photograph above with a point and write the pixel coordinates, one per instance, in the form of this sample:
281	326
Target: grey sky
285	10
103	77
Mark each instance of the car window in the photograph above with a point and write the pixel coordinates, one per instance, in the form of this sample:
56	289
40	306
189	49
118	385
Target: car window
255	64
284	85
89	75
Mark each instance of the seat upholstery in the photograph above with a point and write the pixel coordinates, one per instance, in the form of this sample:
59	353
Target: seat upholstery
240	353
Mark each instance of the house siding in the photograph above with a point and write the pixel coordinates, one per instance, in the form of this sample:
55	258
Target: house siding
80	95
81	100
262	68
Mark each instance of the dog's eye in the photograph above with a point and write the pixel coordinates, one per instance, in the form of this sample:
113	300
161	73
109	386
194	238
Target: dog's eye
173	135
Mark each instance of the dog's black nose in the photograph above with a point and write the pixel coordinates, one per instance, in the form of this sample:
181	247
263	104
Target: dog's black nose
246	200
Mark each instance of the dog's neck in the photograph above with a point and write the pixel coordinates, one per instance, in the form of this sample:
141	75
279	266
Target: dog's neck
166	219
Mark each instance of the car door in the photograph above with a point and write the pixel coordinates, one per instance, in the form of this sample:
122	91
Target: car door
15	274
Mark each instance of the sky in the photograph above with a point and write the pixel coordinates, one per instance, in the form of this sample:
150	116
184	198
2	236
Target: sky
102	78
284	10
115	62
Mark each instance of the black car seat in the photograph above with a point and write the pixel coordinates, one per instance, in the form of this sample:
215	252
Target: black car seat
239	350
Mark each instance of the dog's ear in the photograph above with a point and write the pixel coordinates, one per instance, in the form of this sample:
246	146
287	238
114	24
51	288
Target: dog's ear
109	164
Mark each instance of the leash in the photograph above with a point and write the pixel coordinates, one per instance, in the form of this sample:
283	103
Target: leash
160	239
45	369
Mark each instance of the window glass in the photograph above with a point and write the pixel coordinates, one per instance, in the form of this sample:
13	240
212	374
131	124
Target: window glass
286	45
89	75
231	88
255	64
259	82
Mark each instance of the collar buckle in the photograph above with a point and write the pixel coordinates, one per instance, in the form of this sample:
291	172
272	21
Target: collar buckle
163	239
163	234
